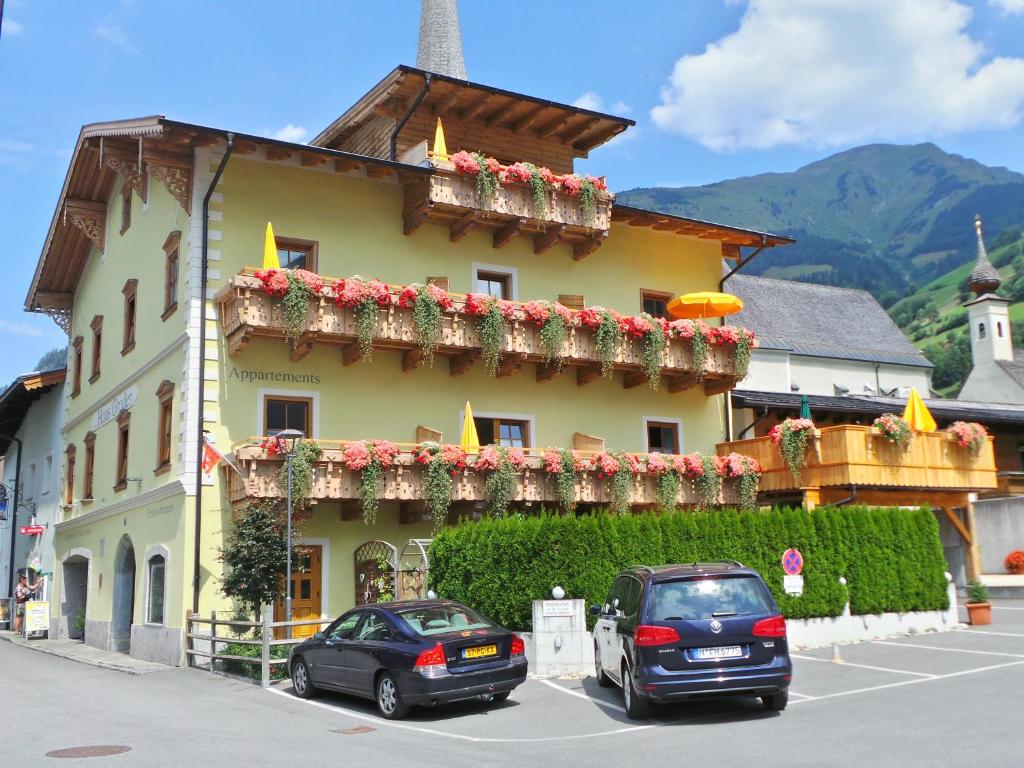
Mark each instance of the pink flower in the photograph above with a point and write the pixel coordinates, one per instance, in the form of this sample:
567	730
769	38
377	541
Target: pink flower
633	463
636	326
492	165
691	465
599	183
516	458
313	282
275	281
657	464
357	456
738	465
563	312
384	451
572	184
537	312
440	296
606	464
465	163
789	425
478	304
379	292
349	292
591	317
453	455
548	176
552	461
489	457
518	172
508	309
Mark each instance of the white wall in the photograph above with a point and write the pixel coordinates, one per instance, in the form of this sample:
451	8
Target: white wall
41	484
769	371
988	383
820	376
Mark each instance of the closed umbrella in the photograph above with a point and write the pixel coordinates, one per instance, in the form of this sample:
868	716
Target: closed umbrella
703	304
470	442
917	414
440	148
805	408
270	260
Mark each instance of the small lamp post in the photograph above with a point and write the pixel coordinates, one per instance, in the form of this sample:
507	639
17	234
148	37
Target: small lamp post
288	441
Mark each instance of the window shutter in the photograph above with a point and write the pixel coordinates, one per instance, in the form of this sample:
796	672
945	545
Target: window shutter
427	433
582	442
440	281
571	300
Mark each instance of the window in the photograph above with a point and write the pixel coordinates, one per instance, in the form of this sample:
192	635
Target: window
165	394
655	303
701	599
287	413
130	290
122	450
981	330
97	346
500	282
171	274
294	253
374	629
69	475
662	436
155	598
47	475
126	207
999	330
345	626
76	374
511	433
90	463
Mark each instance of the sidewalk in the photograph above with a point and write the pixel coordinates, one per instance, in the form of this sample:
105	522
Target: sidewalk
76	650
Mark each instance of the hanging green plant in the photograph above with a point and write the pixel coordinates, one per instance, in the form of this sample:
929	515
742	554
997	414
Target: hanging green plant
708	482
307	454
487	182
618	469
791	437
668	489
747	473
552	319
491	314
588	202
443	463
743	347
296	288
607	335
565	466
428	304
370	458
503	465
539	191
652	354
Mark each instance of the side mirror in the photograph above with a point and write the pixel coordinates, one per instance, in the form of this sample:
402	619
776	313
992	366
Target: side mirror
595	610
319	636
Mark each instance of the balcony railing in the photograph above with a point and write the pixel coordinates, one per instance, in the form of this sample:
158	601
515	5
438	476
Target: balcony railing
850	455
260	478
246	312
451	199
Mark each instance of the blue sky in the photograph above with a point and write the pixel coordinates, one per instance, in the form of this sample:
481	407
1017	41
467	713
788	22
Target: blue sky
719	88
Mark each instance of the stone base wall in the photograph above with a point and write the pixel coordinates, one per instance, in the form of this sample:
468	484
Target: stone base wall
151	642
97	634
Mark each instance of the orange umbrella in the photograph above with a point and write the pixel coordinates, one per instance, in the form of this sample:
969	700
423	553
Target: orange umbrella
704	304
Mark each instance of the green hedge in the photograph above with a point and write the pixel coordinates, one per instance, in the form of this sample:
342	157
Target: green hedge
891	558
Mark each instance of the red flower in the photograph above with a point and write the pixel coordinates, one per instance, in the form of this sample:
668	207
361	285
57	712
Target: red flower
591	317
493	166
384	451
275	281
465	163
599	183
349	292
313	282
441	296
572	184
537	312
518	172
548	177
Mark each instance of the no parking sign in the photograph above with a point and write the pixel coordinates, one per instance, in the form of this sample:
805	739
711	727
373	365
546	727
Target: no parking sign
792	565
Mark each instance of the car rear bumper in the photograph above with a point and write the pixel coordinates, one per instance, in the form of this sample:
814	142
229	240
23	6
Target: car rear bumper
417	689
658	684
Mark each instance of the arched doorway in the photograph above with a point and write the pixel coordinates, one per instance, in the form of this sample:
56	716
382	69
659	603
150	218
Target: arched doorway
375	563
75	593
124	596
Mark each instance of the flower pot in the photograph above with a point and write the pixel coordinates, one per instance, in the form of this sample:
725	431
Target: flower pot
979	614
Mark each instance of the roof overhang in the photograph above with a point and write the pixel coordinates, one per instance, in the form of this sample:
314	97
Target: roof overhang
18	398
579	129
705	230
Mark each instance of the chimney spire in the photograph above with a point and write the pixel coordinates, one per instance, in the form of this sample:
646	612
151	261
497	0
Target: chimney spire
984	277
440	45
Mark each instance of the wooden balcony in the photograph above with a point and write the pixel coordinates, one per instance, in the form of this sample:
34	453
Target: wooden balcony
404	482
849	456
247	313
450	199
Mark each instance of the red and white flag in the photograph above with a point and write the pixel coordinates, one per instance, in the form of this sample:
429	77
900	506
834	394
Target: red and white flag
212	457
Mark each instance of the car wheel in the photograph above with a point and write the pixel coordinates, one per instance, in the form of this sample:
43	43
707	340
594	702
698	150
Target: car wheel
302	681
389	700
776	702
602	679
636	707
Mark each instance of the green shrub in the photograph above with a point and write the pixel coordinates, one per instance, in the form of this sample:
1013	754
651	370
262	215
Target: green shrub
244	668
891	558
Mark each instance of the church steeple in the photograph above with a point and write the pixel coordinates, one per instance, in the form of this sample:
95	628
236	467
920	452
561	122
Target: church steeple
440	45
984	277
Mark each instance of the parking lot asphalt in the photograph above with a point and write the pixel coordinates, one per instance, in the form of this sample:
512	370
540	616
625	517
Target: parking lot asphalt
927	700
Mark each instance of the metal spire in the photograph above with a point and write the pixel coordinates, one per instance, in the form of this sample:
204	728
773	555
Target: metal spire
440	46
984	277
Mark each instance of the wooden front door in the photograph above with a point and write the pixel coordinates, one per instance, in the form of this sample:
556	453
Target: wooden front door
305	583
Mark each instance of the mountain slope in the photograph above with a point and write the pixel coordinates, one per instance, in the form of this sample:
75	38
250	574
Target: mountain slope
882	217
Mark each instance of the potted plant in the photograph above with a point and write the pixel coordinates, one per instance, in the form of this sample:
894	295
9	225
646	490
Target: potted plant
893	428
1015	562
791	437
979	609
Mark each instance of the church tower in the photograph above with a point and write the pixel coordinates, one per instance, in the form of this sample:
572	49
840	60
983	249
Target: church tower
440	47
988	314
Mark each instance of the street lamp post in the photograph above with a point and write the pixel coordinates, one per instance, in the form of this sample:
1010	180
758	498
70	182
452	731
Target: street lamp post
288	441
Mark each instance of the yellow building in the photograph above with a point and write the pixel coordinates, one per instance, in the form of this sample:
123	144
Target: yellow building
148	267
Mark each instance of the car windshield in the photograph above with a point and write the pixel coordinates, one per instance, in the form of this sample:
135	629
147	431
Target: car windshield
438	619
692	599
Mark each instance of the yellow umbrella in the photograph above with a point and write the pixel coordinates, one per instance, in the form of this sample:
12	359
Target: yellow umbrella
917	414
270	260
704	304
470	442
440	148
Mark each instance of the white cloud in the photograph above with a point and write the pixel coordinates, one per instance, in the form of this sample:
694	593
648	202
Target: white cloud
114	33
19	328
16	154
11	27
832	72
293	133
1008	6
621	108
588	100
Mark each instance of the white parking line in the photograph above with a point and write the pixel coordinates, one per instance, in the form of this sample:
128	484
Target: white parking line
951	650
862	666
458	736
578	695
801	695
908	682
986	632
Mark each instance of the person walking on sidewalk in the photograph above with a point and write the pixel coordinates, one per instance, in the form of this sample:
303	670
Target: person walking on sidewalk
22	594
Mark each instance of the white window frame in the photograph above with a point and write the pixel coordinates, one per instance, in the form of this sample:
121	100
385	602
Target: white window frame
529	418
665	420
511	272
261	406
152	551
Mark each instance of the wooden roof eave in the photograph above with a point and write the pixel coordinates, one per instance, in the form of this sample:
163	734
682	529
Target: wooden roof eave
704	230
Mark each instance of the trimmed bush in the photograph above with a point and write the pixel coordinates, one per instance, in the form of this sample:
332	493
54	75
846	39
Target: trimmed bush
892	558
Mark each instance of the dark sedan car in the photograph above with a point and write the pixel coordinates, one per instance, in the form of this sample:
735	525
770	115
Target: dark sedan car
401	654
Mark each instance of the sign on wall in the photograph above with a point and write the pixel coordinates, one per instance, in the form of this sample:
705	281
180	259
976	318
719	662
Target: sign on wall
109	410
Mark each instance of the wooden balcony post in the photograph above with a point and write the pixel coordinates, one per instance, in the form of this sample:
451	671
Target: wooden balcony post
973	550
812	497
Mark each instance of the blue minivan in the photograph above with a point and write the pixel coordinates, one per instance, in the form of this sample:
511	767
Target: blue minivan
678	632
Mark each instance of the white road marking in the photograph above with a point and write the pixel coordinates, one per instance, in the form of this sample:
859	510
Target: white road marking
909	682
578	695
862	666
951	650
1006	607
801	695
986	632
461	737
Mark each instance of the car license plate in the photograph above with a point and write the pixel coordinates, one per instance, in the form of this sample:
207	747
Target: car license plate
721	652
481	651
